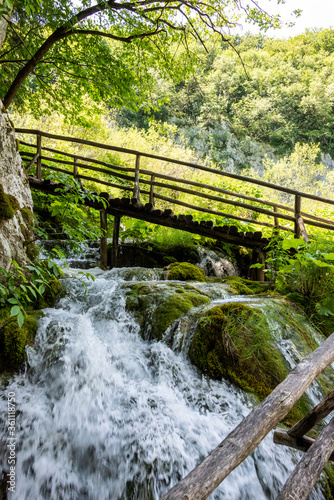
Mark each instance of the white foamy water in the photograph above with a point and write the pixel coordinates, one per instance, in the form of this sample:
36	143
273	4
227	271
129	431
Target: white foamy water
103	414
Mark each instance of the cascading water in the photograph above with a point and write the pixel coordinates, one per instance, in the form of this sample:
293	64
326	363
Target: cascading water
103	414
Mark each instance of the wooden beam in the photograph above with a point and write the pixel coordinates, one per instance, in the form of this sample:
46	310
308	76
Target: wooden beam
258	257
152	189
136	188
302	230
32	162
115	237
313	417
103	241
301	482
297	215
301	443
240	443
39	161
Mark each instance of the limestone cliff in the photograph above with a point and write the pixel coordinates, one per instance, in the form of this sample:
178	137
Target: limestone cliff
15	195
15	200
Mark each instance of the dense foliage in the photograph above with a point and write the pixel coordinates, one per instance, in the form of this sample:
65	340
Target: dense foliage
60	51
277	93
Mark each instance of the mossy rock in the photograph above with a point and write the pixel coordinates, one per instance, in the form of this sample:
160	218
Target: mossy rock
14	339
233	341
52	292
184	271
156	307
8	205
241	286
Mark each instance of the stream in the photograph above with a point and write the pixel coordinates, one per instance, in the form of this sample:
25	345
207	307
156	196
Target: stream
103	414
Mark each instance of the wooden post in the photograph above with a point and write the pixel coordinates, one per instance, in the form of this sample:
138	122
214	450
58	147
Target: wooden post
75	168
300	483
313	417
103	241
115	236
240	443
39	160
136	190
152	190
258	257
276	222
297	215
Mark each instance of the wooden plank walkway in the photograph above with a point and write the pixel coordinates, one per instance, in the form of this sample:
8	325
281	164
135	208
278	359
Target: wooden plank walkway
132	208
166	190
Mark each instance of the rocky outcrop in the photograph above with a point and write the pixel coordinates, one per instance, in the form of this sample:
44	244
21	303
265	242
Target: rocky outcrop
15	200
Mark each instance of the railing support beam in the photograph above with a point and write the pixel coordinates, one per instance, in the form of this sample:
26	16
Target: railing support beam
103	241
115	237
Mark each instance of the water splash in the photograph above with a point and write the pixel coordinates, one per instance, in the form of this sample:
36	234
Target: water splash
103	414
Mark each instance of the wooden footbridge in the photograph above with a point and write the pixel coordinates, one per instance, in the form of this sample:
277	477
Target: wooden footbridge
150	191
156	205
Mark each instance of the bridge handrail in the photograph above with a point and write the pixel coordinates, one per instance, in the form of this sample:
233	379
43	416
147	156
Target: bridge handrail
178	162
296	214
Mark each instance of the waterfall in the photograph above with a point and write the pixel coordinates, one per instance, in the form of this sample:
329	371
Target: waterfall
103	414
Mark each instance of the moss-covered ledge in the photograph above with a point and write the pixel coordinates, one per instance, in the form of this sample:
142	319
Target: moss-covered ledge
8	205
156	306
233	341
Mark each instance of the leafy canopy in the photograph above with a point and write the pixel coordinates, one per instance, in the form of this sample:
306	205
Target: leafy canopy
58	51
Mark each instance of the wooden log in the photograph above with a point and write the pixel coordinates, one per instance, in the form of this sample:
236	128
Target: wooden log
276	221
125	201
114	246
152	189
103	241
258	257
189	218
39	161
302	230
136	203
240	443
301	443
257	235
149	206
202	223
157	212
233	230
301	482
182	217
313	417
297	215
249	234
209	224
168	212
136	189
209	211
30	164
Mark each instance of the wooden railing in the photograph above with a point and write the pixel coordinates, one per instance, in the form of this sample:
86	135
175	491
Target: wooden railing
167	188
242	441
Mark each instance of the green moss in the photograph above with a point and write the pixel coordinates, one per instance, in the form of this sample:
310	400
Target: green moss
8	205
13	340
155	307
27	216
327	482
52	292
233	341
185	272
241	286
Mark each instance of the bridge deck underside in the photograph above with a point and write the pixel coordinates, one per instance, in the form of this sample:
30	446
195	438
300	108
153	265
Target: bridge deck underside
126	207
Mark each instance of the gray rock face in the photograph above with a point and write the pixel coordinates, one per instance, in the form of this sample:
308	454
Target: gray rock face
14	233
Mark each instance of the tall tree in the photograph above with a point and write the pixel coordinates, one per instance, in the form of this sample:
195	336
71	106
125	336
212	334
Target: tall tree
109	49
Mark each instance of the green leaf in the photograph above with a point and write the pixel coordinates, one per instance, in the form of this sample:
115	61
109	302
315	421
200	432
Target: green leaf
41	289
329	256
13	301
295	244
15	310
20	319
